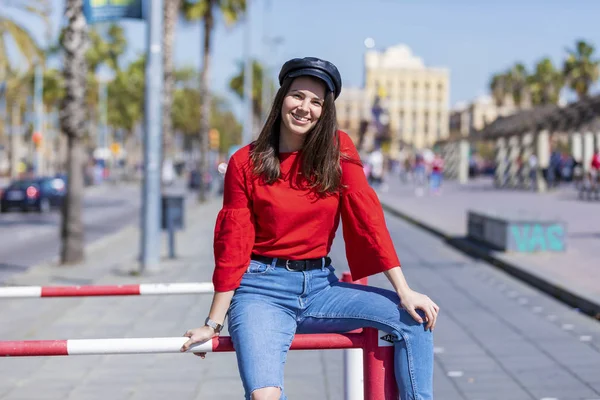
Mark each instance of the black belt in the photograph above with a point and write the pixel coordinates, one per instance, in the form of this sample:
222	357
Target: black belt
294	265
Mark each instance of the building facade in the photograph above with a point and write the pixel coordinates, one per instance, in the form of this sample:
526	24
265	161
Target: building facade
351	108
466	119
416	97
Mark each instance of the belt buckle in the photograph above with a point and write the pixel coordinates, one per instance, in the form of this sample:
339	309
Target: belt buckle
287	265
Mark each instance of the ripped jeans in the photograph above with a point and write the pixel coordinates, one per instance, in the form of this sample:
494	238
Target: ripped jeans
272	304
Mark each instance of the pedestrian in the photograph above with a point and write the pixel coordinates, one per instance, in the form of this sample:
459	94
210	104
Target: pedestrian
437	173
284	197
375	161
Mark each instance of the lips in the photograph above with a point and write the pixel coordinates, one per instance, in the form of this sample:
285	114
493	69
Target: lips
299	119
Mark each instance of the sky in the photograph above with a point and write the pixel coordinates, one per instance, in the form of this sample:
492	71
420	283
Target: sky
472	38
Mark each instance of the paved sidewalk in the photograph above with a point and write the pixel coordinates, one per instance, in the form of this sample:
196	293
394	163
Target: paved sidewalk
497	338
573	273
138	376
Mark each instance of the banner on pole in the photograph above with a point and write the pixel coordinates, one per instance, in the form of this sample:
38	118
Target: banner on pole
110	10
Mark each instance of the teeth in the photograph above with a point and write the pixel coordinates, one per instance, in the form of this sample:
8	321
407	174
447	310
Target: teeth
299	118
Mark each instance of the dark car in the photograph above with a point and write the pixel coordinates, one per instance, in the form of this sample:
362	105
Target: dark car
40	194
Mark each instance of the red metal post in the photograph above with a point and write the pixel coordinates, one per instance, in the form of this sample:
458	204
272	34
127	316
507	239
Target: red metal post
347	277
378	362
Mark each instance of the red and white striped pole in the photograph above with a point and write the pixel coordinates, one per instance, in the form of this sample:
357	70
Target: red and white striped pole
143	289
378	361
72	347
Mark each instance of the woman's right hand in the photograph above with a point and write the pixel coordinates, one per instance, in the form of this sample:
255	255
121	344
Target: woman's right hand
198	335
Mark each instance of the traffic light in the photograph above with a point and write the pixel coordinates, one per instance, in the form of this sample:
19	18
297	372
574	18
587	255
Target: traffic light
213	139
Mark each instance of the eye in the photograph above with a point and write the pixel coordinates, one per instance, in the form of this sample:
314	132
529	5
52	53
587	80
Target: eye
317	103
296	96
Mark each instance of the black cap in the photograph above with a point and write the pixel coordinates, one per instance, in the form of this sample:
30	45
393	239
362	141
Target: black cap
316	67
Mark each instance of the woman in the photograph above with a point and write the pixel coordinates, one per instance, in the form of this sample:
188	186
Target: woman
284	196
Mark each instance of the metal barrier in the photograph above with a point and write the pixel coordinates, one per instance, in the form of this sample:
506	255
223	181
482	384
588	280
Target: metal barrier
143	289
355	358
378	355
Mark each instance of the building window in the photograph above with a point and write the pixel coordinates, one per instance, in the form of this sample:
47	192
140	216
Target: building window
439	125
414	122
401	122
426	123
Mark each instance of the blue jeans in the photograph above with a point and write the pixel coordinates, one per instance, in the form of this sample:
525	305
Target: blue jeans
272	304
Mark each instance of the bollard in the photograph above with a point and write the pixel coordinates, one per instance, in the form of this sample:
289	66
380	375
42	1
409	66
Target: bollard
353	361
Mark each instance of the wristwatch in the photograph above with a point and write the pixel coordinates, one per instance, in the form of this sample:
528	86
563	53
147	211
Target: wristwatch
215	325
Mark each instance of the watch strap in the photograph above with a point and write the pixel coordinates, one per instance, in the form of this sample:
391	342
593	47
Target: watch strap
213	324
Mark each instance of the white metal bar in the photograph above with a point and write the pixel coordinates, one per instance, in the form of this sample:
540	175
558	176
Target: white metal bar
133	346
21	291
353	374
176	288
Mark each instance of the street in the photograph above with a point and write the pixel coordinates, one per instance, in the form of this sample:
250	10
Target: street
32	238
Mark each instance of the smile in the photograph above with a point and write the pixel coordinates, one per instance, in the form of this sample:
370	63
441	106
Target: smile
299	118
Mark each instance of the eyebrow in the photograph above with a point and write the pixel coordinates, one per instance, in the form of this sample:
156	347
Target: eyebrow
299	91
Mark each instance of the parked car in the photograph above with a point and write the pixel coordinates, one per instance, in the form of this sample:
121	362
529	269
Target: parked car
40	194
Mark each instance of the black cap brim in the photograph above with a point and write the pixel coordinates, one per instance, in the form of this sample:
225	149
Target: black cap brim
317	73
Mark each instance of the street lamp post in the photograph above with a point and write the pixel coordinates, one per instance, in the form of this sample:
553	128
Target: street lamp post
39	116
151	212
248	117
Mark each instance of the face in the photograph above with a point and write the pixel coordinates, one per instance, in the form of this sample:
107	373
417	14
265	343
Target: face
302	106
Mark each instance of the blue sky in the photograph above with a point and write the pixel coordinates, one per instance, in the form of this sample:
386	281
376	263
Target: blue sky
472	38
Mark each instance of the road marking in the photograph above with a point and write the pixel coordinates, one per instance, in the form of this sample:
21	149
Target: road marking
537	309
585	338
568	327
438	350
455	374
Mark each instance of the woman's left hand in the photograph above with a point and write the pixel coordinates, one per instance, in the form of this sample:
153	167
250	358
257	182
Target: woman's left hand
412	301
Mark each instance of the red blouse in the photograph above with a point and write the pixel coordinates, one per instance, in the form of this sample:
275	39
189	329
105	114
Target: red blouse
284	221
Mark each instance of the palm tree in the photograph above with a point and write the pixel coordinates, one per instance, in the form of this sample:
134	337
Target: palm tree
517	83
581	68
546	83
237	85
499	88
205	10
170	15
23	40
73	124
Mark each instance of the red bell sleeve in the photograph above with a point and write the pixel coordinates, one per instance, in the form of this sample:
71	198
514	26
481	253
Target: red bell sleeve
369	247
234	230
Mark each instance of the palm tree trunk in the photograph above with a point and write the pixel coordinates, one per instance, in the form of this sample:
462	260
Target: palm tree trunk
73	124
205	101
72	232
171	13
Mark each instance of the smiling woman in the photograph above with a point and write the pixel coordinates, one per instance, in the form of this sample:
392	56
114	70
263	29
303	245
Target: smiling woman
284	196
300	112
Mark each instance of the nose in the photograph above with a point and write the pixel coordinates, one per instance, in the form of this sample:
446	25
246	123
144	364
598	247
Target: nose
304	105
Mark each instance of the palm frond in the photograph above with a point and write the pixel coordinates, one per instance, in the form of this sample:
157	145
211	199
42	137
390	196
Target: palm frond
25	42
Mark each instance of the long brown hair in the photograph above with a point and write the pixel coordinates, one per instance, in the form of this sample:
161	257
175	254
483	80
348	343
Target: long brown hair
320	152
